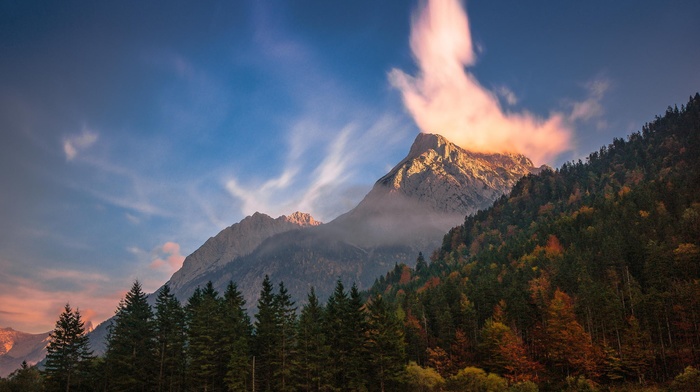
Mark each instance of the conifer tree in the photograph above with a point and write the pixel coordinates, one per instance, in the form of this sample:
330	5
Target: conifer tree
25	379
68	349
170	341
286	319
206	370
237	336
334	327
312	347
130	357
355	328
266	339
387	349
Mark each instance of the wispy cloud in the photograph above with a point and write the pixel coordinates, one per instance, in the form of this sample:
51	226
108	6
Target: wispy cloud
74	144
445	98
507	94
318	173
591	108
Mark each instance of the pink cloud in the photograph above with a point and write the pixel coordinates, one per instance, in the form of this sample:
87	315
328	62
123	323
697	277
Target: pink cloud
168	257
446	99
26	306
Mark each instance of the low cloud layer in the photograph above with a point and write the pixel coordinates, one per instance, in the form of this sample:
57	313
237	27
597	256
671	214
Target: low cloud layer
445	98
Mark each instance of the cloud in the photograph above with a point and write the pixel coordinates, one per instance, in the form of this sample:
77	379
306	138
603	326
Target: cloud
167	257
33	304
591	108
445	98
320	166
507	94
74	144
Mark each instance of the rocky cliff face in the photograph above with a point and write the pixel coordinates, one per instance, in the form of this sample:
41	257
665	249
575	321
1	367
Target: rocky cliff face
449	179
16	346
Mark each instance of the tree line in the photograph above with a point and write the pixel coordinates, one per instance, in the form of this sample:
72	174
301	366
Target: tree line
211	344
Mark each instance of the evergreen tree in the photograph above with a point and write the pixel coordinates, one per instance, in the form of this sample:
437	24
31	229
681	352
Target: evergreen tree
170	341
421	265
25	379
355	328
130	357
312	348
286	320
237	336
387	349
68	348
207	367
334	327
266	339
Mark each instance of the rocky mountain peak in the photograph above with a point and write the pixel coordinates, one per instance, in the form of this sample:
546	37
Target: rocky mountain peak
301	218
450	179
17	346
235	241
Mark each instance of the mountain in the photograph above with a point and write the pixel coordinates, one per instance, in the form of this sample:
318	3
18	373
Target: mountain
236	241
16	346
406	212
592	269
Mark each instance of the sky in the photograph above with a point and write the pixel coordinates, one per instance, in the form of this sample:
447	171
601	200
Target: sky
131	131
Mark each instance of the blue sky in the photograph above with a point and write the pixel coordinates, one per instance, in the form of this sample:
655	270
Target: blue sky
133	131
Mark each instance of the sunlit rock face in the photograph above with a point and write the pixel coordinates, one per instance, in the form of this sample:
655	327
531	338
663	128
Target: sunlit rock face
449	179
16	346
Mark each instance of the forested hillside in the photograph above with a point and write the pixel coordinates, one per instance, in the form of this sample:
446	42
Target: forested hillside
590	270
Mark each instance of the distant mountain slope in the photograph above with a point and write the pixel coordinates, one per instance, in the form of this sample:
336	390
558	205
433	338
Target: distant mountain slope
406	212
236	241
614	240
16	346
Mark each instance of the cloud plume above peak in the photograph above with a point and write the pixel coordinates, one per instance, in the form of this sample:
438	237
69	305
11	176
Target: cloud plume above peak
446	99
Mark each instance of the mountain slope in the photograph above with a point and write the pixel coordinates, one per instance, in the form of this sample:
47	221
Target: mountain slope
406	212
16	346
595	267
236	241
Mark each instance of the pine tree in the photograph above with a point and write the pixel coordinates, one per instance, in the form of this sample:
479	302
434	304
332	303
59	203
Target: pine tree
286	319
237	336
130	357
25	379
355	322
170	341
387	349
266	339
206	370
334	327
312	347
67	350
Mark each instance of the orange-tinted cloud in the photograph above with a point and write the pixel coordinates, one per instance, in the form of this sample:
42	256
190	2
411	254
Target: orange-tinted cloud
27	306
168	257
446	99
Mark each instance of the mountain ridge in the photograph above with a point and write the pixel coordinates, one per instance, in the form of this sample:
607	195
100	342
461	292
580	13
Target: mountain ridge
17	346
407	211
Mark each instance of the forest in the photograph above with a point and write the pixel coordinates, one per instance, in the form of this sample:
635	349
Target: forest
583	278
